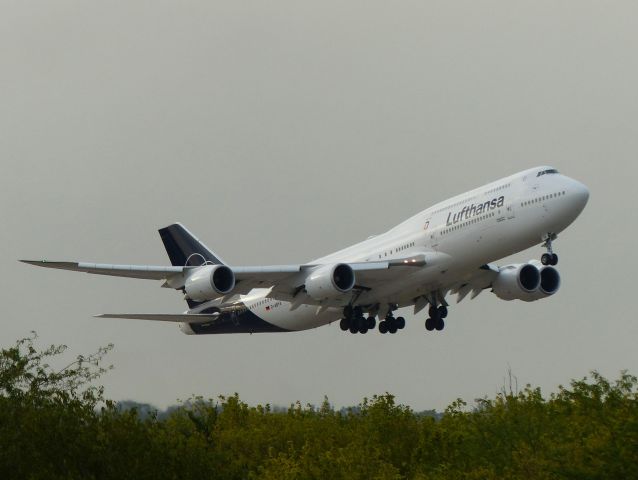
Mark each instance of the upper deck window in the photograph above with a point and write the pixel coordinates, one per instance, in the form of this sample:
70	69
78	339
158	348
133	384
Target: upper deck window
547	172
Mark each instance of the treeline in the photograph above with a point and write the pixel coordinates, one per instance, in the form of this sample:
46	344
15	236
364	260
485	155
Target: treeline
57	424
146	410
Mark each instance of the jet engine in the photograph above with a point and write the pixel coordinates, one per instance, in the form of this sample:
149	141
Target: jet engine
550	282
528	282
209	282
330	281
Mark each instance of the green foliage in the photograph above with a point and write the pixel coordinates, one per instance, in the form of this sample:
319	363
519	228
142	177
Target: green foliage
57	424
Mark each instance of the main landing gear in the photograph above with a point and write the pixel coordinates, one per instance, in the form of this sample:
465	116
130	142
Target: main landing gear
391	324
549	258
354	321
435	322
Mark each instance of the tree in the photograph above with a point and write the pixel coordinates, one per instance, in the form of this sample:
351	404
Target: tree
47	415
56	423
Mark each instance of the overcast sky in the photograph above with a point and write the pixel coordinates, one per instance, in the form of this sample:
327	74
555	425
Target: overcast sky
281	131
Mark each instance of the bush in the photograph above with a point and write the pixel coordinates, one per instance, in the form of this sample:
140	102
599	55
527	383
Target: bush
57	424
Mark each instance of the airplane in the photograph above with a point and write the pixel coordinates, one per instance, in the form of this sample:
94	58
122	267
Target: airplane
448	249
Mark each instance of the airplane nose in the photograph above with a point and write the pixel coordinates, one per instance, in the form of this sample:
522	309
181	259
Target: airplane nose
581	194
577	197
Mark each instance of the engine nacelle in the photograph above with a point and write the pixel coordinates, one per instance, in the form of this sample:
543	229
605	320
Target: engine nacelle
528	282
209	282
330	281
550	282
517	282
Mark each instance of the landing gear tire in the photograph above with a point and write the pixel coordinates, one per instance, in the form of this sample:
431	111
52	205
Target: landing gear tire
344	324
362	323
429	325
353	329
400	323
440	325
443	311
371	323
549	258
392	327
383	327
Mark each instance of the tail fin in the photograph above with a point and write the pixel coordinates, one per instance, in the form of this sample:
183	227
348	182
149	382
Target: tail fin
184	249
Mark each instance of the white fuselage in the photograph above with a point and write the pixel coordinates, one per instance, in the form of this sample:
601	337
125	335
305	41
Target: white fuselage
465	232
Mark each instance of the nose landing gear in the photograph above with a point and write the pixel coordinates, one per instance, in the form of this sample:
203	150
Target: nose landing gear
549	258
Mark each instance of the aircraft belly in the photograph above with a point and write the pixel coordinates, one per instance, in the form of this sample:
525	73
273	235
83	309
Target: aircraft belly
303	317
409	287
465	251
277	319
245	322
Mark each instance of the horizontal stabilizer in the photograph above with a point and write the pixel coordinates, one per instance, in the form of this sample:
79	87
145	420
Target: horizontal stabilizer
164	317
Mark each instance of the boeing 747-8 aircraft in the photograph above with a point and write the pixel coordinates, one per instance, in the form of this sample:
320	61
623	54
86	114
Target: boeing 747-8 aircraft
444	250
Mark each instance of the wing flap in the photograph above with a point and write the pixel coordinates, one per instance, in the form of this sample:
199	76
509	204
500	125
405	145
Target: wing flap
474	283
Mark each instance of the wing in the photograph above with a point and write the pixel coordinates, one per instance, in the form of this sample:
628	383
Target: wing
288	278
283	277
475	282
248	278
147	272
370	274
285	281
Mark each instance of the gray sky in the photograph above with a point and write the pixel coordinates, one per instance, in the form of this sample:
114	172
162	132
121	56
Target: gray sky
281	131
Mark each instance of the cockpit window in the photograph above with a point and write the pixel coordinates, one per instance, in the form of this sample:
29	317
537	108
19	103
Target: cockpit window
547	172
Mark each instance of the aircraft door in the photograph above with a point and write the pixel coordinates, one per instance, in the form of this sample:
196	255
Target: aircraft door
431	240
